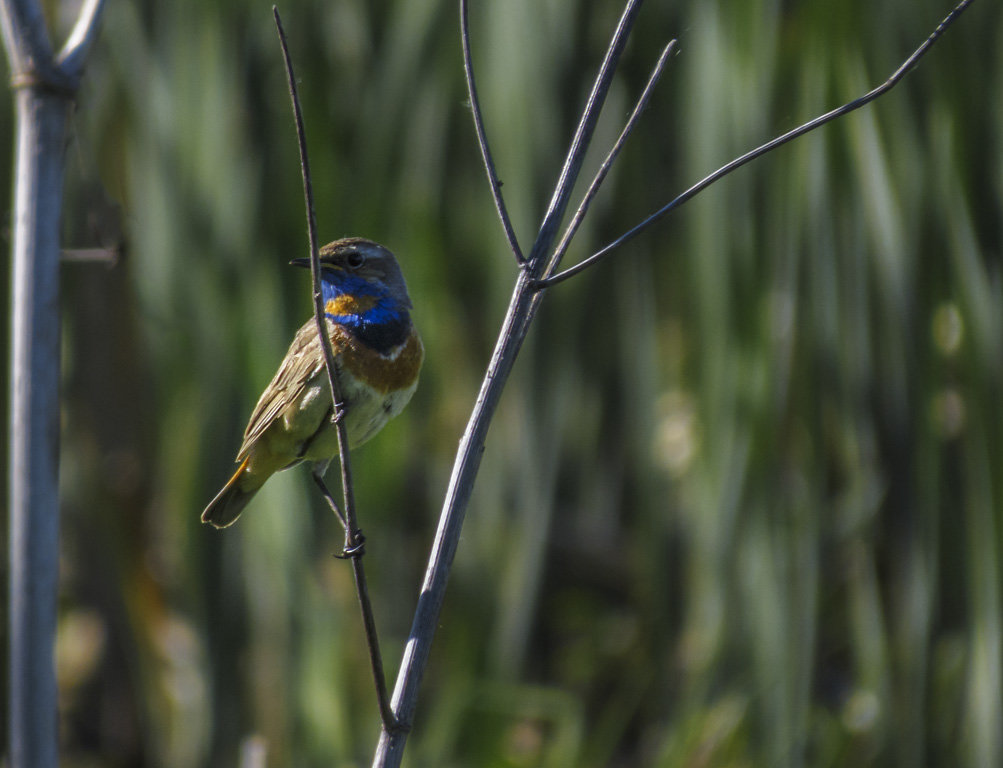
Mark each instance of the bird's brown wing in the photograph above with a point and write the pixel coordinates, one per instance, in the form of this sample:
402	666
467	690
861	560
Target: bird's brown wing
303	361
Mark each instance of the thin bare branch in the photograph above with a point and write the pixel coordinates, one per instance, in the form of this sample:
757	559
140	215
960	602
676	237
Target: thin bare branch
354	553
311	220
353	549
78	44
482	139
600	176
769	146
583	137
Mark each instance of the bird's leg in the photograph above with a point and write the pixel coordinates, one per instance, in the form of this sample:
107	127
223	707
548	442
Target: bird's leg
354	540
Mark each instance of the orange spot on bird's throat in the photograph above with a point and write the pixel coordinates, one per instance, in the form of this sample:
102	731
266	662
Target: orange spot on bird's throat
346	304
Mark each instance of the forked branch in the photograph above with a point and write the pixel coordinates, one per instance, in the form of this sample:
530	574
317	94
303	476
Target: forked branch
769	146
527	294
582	138
600	176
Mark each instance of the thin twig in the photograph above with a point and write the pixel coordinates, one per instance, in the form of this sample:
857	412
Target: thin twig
311	220
482	139
368	620
583	137
769	146
71	58
353	549
600	176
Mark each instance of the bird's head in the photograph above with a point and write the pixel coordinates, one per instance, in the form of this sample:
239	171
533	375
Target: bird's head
354	263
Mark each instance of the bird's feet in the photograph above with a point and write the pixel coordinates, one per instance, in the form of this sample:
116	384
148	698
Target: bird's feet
355	546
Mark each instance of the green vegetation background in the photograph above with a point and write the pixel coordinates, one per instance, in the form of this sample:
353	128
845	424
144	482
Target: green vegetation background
742	502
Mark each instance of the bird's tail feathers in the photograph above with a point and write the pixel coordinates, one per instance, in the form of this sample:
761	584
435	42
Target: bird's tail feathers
229	502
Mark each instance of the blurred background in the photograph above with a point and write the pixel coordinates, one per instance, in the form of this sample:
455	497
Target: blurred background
742	503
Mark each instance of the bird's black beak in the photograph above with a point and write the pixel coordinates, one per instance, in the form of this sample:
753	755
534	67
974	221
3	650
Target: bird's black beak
304	262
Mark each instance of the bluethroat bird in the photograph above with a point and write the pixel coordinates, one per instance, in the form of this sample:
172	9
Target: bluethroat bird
377	353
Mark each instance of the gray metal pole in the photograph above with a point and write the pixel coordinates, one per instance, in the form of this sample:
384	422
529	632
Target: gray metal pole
34	428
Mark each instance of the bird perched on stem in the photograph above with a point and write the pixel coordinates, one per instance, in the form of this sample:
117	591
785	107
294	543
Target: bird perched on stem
377	354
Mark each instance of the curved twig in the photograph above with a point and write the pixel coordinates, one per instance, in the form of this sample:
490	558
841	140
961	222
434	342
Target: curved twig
583	137
738	162
482	139
353	536
600	176
78	44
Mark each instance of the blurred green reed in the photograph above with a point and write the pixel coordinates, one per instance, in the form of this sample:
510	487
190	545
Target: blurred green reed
742	503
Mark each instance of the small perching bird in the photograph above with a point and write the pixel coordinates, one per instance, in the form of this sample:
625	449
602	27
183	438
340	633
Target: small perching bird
377	354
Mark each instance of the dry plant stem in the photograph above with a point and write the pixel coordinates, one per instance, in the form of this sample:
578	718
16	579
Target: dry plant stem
522	308
78	44
368	620
738	162
318	296
353	549
635	115
482	139
524	303
582	138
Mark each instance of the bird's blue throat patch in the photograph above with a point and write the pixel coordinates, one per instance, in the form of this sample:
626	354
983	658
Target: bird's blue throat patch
368	312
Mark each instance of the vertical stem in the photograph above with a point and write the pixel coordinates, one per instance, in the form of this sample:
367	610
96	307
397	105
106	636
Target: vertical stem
353	538
522	307
34	428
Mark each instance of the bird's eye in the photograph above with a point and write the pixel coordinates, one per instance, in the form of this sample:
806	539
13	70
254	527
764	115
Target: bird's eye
355	259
